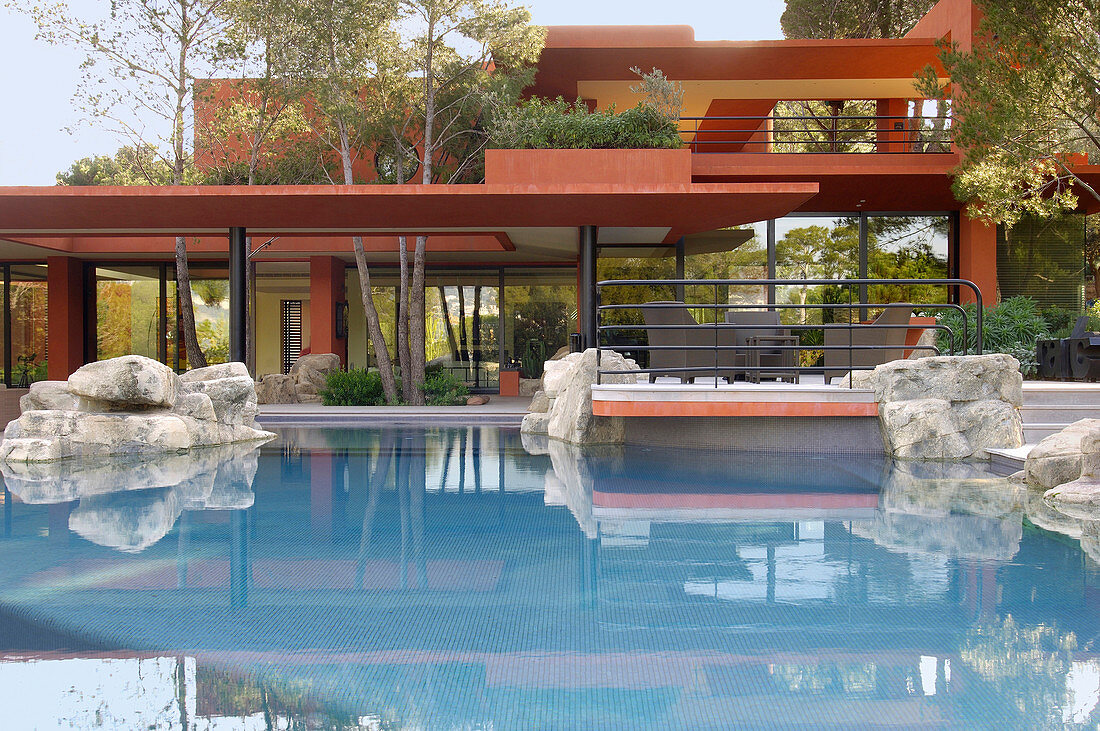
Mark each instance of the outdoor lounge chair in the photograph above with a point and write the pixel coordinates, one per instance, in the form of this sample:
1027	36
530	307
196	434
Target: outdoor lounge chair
838	361
754	323
688	333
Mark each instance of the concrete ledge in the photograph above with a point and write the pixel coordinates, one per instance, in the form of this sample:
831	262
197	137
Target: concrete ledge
739	400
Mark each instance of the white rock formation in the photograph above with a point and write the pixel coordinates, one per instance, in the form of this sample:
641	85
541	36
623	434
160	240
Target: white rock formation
1080	498
567	384
133	405
947	407
1056	459
304	384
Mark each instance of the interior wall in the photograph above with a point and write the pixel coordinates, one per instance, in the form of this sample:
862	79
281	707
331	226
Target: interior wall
270	293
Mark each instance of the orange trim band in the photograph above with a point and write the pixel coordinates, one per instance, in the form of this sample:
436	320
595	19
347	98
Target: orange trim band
732	408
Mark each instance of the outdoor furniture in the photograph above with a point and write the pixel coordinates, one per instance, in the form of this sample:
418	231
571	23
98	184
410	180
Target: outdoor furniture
758	357
678	331
756	328
870	345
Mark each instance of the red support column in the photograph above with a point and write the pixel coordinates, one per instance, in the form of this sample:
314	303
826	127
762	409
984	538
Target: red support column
326	289
891	137
978	258
65	316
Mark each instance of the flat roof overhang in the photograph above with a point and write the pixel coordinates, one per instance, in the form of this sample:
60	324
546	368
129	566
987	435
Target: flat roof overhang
525	213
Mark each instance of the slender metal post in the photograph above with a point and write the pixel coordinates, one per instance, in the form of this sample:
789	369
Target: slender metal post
862	264
7	325
681	262
772	263
238	293
587	252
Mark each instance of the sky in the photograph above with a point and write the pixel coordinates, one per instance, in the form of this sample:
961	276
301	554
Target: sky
40	133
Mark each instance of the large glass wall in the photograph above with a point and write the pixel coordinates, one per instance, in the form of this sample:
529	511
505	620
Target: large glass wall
738	253
908	247
1043	259
29	341
540	311
128	312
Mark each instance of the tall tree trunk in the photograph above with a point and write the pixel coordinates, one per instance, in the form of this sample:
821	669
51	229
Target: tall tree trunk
417	324
374	324
463	351
195	357
447	322
403	357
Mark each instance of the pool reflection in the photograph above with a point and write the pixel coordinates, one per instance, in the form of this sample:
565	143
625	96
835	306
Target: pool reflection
465	577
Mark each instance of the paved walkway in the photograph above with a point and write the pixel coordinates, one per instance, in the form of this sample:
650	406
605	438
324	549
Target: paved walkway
501	411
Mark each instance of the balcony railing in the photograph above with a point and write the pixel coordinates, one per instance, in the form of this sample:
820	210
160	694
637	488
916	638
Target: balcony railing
821	134
711	349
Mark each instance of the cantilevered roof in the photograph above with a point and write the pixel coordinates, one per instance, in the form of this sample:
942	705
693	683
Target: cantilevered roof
528	215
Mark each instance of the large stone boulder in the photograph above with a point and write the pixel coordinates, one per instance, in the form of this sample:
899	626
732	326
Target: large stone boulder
146	409
276	388
125	384
567	385
313	369
947	407
1056	459
48	395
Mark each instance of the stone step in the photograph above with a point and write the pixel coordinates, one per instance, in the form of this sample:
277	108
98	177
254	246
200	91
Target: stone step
1008	461
1058	414
1034	433
1051	393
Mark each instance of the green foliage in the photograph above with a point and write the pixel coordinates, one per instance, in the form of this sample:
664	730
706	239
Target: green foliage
444	389
1012	327
1025	97
140	165
852	18
1060	320
542	124
357	387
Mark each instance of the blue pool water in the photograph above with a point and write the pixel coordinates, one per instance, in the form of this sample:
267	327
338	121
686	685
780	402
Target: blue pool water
456	578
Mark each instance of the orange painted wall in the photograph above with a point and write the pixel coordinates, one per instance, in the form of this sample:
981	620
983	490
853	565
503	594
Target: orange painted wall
978	258
579	167
65	317
326	288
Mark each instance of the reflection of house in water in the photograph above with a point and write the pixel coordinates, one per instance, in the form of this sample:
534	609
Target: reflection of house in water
449	575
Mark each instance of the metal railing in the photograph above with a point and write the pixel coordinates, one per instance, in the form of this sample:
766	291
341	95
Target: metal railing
721	367
821	134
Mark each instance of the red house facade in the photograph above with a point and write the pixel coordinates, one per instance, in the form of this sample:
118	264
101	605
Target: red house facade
761	189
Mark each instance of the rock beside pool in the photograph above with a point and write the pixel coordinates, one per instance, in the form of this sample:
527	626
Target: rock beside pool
1056	459
48	395
567	385
303	385
133	405
276	388
124	384
948	407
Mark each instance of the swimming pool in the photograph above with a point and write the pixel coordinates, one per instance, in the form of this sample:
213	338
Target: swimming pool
458	578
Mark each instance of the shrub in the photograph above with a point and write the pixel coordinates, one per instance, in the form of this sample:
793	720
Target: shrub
541	124
353	388
444	389
1012	327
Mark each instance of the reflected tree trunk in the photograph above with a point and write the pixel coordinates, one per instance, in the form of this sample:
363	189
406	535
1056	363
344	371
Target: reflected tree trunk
447	322
463	351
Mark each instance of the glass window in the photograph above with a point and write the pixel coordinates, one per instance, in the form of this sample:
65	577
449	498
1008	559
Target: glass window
739	253
908	247
540	311
815	248
128	309
210	297
29	343
1043	259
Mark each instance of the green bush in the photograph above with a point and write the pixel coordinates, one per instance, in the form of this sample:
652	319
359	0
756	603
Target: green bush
353	388
542	124
1011	327
444	389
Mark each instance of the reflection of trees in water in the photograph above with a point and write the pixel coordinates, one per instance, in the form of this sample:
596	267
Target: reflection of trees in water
1024	672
